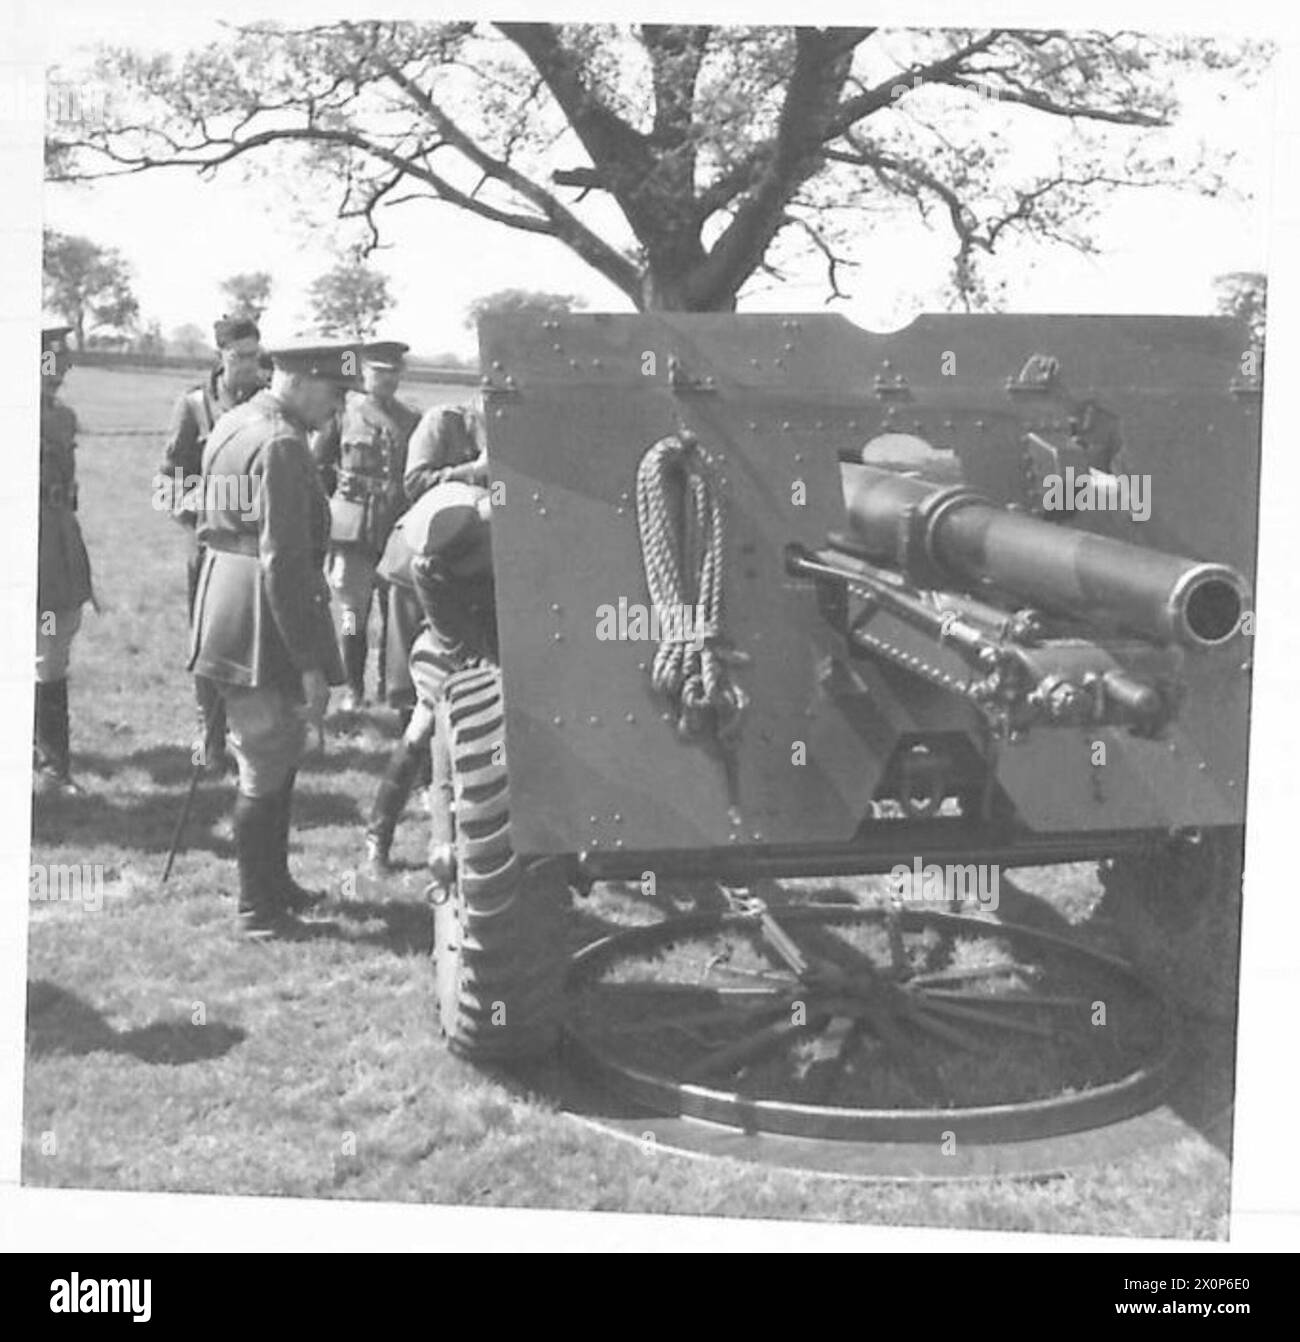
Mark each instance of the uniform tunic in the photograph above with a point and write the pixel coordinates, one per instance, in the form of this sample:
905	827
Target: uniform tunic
445	437
361	457
261	615
193	416
63	581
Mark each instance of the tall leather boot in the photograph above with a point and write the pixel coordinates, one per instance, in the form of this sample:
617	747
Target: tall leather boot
390	801
53	754
297	898
262	913
353	647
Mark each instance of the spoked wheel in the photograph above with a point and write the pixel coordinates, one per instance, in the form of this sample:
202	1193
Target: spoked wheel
499	929
869	1024
1178	909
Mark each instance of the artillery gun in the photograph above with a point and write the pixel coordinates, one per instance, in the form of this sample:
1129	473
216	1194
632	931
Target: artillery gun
780	598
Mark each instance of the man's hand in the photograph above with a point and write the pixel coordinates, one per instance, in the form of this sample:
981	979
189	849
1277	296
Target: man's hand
472	472
316	694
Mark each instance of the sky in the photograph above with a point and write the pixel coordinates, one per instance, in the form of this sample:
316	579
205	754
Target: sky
1160	250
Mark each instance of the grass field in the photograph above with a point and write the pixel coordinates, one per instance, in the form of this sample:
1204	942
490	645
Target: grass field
164	1054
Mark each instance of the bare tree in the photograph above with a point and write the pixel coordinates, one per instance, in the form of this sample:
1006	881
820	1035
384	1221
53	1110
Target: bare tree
679	161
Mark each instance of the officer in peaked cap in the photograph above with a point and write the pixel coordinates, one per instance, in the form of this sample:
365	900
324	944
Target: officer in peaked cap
63	575
261	629
440	555
361	457
236	377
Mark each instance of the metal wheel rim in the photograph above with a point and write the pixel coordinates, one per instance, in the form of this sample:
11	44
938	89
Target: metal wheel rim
1094	1106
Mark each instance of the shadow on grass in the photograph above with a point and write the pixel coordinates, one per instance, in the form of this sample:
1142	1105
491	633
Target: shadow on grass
171	765
1201	1096
146	823
60	1023
407	925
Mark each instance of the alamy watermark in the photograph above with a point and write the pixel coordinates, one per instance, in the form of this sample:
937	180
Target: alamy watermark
207	493
632	622
1096	491
54	102
67	883
956	883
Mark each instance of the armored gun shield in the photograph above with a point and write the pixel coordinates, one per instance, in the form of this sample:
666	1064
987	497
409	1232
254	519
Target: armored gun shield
670	487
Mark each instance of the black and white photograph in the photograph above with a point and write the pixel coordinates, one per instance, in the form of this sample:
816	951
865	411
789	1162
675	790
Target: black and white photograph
653	619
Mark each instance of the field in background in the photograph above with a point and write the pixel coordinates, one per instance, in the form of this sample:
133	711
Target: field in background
163	1054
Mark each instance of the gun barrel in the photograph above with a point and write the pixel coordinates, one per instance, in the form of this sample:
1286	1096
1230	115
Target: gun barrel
941	534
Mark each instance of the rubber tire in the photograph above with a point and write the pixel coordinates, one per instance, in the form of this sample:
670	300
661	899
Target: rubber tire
500	945
1178	910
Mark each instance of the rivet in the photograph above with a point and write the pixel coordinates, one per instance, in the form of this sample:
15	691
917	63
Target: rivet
979	423
618	843
785	426
753	426
618	817
641	666
1232	782
594	720
537	498
629	717
497	364
757	835
558	722
541	512
555	608
595	819
798	456
595	363
667	717
557	637
558	348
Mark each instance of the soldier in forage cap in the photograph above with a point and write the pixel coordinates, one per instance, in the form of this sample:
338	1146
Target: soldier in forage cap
63	574
261	629
361	456
440	553
235	378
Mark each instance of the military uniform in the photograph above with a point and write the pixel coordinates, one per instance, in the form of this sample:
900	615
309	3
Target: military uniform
261	618
360	459
440	555
447	437
194	415
63	572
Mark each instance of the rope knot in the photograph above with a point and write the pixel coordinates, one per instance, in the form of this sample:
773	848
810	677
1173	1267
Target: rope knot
683	544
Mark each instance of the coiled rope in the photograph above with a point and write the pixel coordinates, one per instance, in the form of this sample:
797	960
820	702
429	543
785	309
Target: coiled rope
682	524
